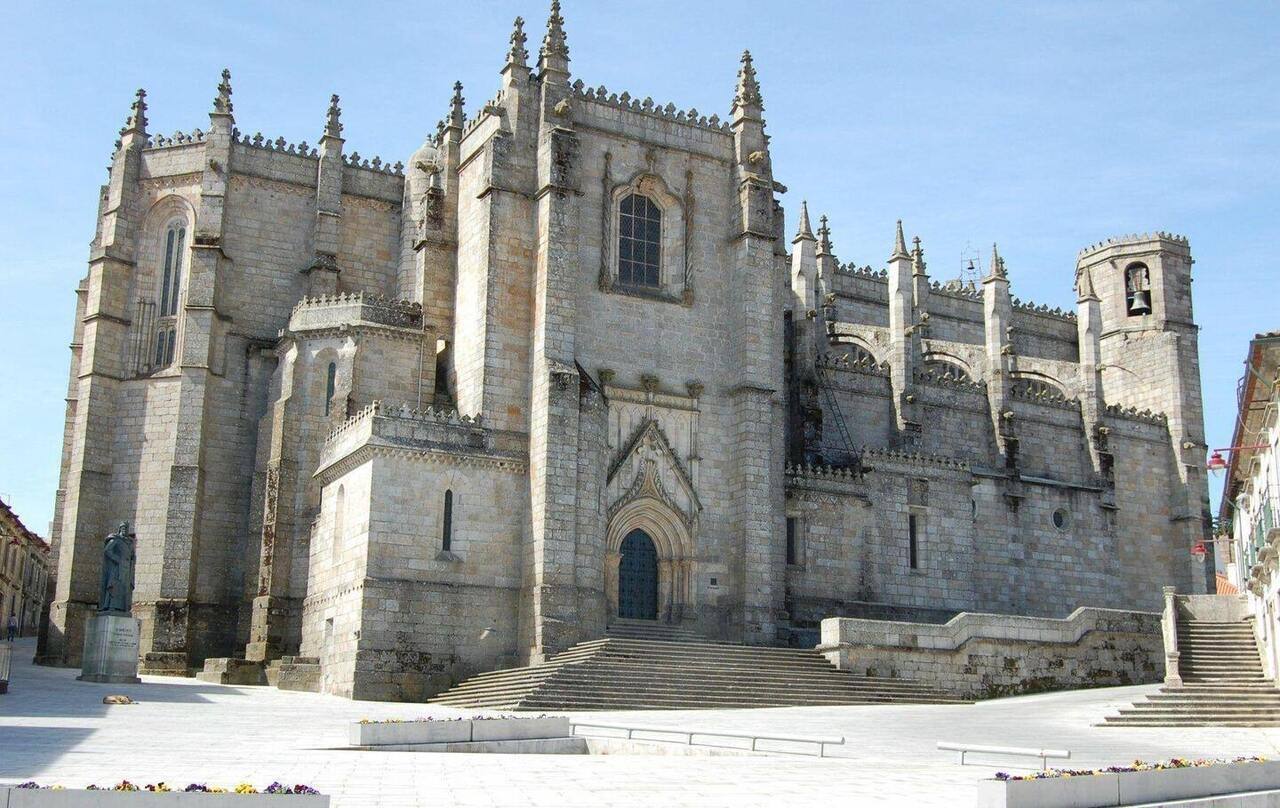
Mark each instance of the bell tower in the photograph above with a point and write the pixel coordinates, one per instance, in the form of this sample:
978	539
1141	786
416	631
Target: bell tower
1149	359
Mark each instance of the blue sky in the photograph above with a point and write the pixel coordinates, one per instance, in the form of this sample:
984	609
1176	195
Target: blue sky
1043	126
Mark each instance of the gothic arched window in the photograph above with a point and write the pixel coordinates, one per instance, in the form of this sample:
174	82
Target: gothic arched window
170	292
639	241
174	241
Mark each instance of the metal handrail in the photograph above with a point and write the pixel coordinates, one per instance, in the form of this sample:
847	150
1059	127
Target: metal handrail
631	729
1043	754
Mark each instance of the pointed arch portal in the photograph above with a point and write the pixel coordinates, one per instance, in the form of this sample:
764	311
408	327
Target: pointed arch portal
638	577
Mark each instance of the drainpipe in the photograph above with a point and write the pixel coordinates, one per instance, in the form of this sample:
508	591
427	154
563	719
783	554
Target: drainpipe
1169	627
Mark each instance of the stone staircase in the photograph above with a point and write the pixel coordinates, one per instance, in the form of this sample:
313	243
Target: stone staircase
640	665
1223	683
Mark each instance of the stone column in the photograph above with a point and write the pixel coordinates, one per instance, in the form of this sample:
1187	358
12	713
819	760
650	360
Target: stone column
1169	628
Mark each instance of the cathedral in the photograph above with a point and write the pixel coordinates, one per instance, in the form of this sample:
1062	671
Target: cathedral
567	363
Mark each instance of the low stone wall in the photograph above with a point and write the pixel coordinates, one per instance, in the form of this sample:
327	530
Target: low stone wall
988	655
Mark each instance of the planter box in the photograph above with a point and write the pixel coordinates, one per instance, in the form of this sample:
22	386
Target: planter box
520	729
1059	792
83	798
410	732
1129	788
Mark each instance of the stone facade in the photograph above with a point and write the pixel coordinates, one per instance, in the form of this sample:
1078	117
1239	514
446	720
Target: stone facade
24	574
404	418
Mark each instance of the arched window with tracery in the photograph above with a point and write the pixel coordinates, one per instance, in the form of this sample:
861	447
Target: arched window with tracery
171	277
639	241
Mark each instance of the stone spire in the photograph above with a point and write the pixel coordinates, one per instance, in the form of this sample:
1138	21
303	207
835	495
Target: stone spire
554	55
137	120
997	264
517	56
804	232
900	246
222	103
333	123
824	236
747	102
457	117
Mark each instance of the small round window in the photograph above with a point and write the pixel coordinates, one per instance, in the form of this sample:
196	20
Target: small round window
1061	519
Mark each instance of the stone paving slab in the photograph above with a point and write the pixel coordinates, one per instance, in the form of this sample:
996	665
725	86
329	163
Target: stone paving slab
56	730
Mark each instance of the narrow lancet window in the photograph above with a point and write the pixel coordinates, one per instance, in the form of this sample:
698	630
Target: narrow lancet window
446	538
330	386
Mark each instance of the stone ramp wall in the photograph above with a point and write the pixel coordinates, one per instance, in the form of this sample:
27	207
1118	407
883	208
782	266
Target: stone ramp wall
990	655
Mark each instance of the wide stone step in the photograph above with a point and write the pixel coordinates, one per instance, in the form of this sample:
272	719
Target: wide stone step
1185	721
614	673
641	674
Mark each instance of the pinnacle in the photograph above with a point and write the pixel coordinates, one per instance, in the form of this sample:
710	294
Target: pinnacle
333	124
456	114
804	231
137	121
824	236
997	264
900	246
917	256
748	91
554	54
518	55
222	102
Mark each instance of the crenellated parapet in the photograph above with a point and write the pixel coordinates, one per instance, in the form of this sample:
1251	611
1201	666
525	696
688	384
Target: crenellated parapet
647	106
352	308
857	361
259	141
1135	238
1043	309
195	136
1145	416
1040	392
949	378
871	456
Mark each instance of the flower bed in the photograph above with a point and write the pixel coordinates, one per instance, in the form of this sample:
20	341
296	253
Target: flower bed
158	795
458	730
1128	785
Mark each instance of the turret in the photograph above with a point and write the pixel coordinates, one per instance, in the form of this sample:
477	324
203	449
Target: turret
323	271
997	316
804	272
902	336
1089	333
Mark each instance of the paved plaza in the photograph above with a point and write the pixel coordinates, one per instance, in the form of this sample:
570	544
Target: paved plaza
57	731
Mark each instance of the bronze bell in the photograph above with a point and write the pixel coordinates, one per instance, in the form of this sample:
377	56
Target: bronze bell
1140	302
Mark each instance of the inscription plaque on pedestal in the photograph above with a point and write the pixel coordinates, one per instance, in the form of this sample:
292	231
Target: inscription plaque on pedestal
110	649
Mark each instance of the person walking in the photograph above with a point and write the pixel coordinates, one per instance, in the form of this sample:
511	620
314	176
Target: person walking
13	626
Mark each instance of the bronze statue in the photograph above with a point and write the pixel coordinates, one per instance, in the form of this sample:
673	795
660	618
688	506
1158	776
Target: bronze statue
118	557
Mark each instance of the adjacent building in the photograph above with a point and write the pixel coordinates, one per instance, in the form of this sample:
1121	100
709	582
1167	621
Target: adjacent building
568	362
24	574
1249	513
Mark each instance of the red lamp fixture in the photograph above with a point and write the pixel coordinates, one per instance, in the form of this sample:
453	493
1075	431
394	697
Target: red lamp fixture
1217	462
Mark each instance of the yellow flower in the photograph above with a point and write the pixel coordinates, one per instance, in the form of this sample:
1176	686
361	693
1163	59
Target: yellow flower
245	788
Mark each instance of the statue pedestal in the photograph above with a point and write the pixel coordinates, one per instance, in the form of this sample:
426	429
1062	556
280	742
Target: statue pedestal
110	648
